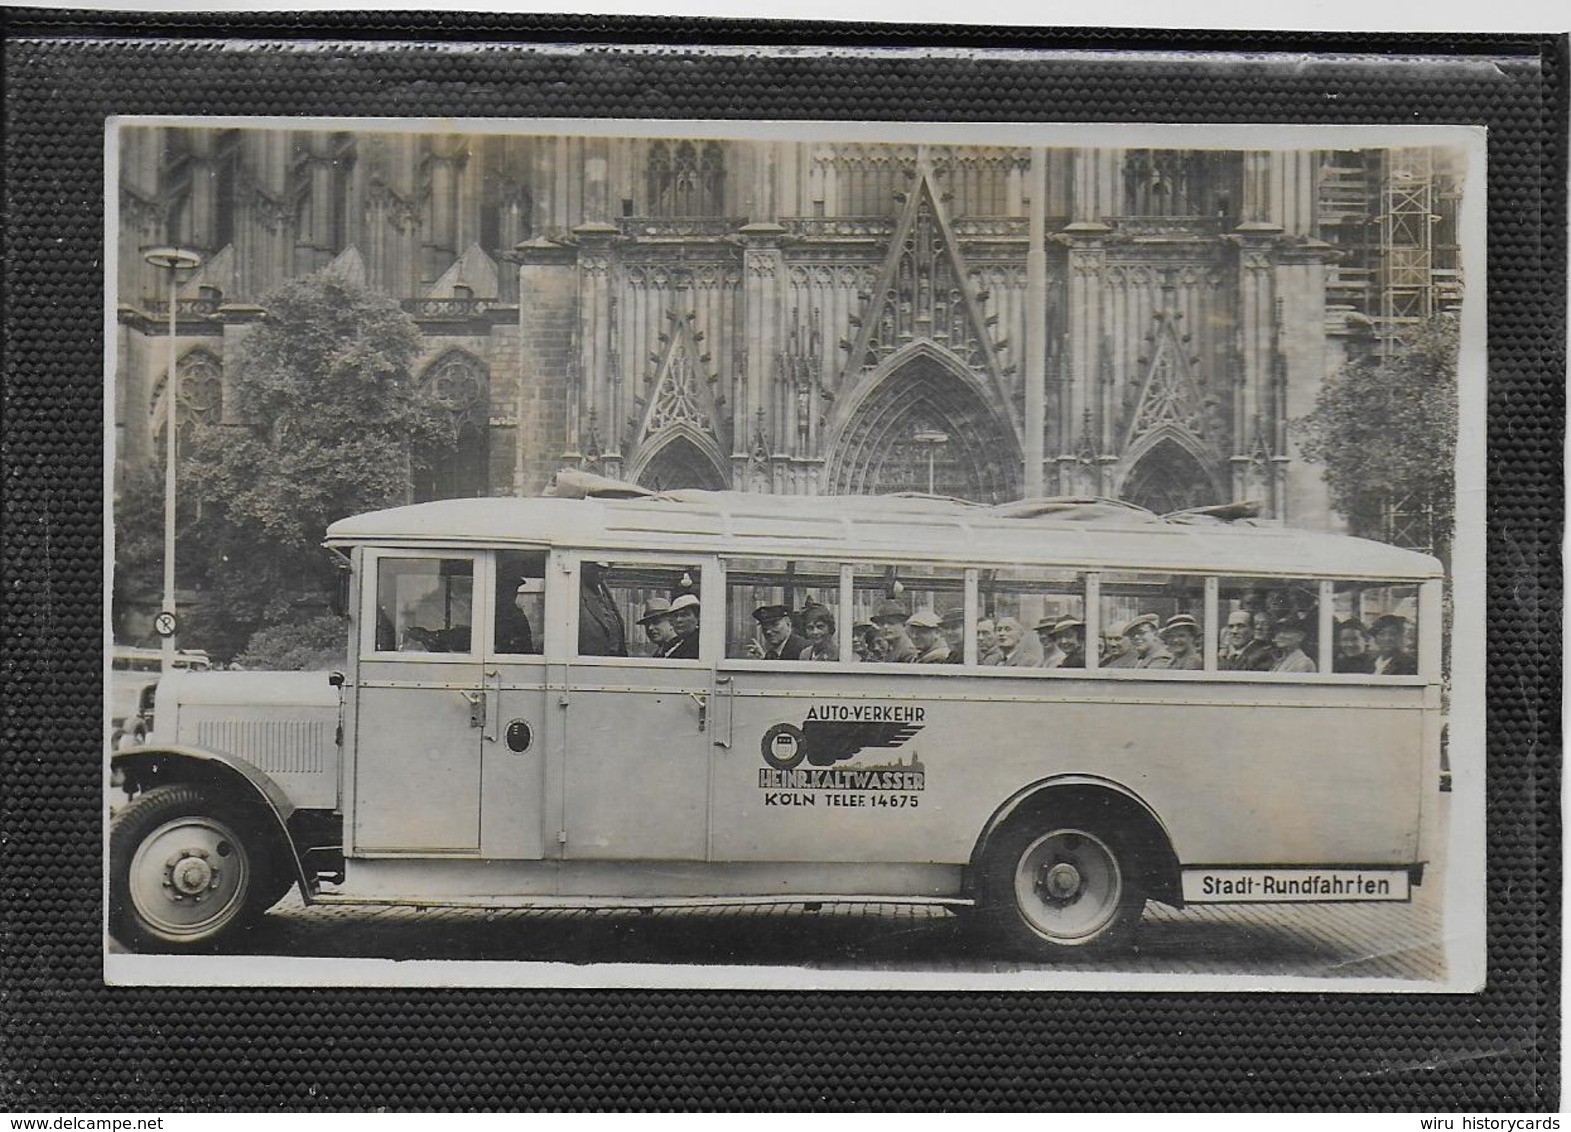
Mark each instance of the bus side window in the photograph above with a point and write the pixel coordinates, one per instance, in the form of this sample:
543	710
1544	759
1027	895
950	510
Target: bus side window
1376	628
425	605
782	609
639	609
520	602
898	611
1153	620
1268	625
1032	617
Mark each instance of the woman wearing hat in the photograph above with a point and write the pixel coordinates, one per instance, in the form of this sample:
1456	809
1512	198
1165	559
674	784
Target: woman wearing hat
684	621
1181	635
1288	638
1052	655
1391	657
1070	635
818	626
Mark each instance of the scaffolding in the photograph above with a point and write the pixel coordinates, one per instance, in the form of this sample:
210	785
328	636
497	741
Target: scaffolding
1393	215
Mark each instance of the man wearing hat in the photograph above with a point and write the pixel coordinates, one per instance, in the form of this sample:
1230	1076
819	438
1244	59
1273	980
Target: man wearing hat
1391	657
1235	640
780	639
1069	633
1146	643
1052	655
891	622
514	635
656	621
1181	635
684	622
953	624
927	638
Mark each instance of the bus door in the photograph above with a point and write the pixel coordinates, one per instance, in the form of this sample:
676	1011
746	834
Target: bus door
420	713
636	711
516	734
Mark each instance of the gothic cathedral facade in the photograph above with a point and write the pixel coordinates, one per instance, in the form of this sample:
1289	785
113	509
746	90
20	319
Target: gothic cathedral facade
809	317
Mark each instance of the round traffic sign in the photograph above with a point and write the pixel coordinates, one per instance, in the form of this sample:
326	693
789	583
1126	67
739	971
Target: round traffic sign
165	624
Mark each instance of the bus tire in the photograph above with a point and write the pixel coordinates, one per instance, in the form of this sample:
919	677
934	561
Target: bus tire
1060	884
187	870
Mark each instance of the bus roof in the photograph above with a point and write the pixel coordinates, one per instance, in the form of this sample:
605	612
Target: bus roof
1066	532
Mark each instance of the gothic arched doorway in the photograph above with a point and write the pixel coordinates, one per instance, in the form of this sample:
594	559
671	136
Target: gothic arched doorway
924	428
1168	477
680	463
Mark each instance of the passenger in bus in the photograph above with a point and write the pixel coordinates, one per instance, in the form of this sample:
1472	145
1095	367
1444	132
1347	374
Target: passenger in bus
513	632
600	628
1259	653
1391	655
1181	635
865	642
1287	637
891	622
952	622
1117	652
987	650
1019	650
926	631
1352	648
1235	640
818	626
777	639
1145	641
1052	655
684	619
656	623
1070	633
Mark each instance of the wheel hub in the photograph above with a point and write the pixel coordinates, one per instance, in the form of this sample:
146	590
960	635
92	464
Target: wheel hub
191	874
1060	881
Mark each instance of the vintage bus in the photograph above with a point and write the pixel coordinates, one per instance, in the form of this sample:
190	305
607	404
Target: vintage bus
702	698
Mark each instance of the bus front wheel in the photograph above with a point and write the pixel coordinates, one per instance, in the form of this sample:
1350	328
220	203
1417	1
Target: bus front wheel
1061	885
186	870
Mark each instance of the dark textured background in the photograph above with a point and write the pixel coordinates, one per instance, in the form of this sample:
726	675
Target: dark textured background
68	1042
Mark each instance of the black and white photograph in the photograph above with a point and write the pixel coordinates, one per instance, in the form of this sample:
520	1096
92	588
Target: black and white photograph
794	555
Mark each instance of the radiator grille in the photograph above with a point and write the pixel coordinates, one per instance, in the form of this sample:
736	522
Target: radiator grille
287	746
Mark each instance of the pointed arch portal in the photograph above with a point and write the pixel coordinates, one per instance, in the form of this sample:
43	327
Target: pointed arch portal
923	424
681	463
1170	478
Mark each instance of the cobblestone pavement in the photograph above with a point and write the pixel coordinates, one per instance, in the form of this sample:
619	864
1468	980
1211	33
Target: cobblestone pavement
1392	941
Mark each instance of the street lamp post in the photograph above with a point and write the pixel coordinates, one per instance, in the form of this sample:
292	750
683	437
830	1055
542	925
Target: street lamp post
171	259
931	438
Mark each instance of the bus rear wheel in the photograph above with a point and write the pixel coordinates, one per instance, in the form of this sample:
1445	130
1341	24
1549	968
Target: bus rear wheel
186	871
1059	886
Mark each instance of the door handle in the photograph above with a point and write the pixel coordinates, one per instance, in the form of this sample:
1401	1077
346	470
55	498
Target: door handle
702	701
725	706
476	702
493	727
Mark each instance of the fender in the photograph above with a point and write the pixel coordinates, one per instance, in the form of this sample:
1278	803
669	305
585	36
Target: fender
1024	795
147	765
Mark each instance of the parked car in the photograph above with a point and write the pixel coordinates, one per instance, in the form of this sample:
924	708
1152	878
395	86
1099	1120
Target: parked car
133	674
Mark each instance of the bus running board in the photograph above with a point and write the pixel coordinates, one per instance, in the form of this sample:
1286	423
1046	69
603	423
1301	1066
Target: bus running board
602	903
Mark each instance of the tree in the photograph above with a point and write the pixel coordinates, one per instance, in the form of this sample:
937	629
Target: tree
1385	429
331	418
